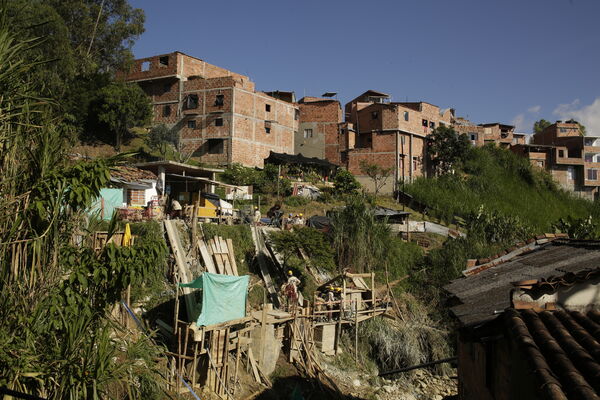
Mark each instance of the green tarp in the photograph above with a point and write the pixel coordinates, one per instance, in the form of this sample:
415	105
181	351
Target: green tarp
223	297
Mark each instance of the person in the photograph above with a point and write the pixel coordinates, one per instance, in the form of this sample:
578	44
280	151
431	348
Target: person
330	302
257	216
291	290
176	208
300	220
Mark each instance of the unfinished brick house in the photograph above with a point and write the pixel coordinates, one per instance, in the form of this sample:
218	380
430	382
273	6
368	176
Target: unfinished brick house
317	136
571	158
390	134
500	134
220	117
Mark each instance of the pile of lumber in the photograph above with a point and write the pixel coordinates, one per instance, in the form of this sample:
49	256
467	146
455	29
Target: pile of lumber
218	256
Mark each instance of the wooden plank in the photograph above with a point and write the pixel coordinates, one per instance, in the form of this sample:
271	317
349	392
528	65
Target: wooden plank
206	257
225	256
219	263
182	265
264	270
253	365
232	257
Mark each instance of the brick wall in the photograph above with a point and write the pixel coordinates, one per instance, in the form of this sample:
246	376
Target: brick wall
136	197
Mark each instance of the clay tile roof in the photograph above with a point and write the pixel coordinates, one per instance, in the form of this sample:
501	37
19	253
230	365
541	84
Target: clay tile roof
562	349
131	174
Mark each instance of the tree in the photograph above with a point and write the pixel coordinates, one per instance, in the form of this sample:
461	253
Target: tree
446	148
160	138
540	125
378	174
345	183
120	107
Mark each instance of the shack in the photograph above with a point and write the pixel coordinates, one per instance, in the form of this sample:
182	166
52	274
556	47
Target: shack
529	322
298	164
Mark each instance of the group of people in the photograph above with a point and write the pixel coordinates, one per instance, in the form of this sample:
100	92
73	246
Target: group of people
296	219
329	300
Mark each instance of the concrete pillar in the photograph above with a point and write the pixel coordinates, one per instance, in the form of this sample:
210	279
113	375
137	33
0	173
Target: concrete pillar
162	183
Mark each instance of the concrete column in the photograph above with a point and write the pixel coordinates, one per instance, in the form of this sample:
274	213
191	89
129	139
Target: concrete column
410	157
162	183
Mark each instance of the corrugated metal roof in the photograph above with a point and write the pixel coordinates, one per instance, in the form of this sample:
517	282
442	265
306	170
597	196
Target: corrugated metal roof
484	295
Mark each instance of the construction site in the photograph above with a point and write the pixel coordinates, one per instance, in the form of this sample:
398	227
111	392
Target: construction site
219	344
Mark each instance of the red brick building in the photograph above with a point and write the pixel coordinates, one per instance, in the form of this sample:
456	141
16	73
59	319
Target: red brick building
318	134
390	134
220	117
571	158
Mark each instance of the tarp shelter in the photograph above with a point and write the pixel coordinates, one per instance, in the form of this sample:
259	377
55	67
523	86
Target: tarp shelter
319	222
223	297
322	165
390	214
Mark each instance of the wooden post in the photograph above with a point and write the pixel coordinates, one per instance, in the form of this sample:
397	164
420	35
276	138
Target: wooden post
195	364
176	314
263	330
373	294
356	331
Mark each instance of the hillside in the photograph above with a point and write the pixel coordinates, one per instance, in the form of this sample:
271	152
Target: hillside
502	182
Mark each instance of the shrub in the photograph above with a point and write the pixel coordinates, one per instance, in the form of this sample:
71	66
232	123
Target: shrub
345	183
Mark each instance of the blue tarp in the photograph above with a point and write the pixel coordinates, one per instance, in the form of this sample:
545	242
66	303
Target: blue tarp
223	297
113	198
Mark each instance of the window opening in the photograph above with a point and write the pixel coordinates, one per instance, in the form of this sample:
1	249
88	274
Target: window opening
215	146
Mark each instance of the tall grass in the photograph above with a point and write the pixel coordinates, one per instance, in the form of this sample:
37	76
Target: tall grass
500	181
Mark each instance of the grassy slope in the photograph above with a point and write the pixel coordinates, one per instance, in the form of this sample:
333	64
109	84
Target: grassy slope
499	181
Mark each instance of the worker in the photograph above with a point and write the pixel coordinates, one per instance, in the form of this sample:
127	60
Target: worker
291	290
257	216
300	220
175	209
330	302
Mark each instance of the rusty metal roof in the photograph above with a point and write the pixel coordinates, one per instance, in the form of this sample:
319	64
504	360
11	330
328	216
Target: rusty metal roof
562	349
481	297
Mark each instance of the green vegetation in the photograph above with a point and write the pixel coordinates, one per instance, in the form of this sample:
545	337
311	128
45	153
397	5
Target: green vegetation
539	126
265	181
500	182
57	339
345	183
119	107
447	149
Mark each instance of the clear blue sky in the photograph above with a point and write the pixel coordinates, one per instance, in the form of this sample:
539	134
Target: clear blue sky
492	60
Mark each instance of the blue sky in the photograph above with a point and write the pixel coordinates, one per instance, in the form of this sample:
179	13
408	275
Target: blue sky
510	61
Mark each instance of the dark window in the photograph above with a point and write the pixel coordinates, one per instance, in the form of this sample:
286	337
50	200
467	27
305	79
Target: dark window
425	123
219	100
164	60
218	121
215	146
374	115
561	153
267	130
190	102
167	87
406	115
267	107
145	66
296	115
268	126
432	125
473	136
166	111
308	133
192	124
563	130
